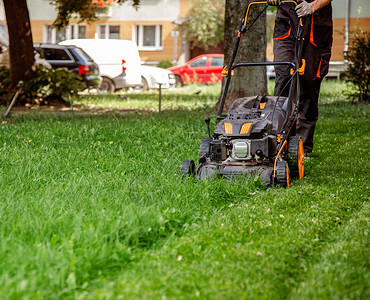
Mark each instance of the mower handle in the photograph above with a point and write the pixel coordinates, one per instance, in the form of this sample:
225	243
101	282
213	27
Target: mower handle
243	29
263	2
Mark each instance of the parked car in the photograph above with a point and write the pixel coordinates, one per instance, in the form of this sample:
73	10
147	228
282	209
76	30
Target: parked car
201	69
153	76
118	60
72	58
270	72
205	68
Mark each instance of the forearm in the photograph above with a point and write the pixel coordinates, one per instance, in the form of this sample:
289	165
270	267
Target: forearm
318	4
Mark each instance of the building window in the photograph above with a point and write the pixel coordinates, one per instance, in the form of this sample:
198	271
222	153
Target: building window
148	37
74	31
78	31
108	32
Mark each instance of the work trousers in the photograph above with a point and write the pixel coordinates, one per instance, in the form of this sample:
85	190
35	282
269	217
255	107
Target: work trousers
318	36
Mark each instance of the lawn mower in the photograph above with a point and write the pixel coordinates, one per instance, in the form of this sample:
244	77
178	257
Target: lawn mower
255	136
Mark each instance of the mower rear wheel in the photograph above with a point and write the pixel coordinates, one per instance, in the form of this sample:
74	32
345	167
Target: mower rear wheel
204	147
282	173
296	156
187	168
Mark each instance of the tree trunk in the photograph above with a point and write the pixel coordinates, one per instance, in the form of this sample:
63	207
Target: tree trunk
248	81
22	60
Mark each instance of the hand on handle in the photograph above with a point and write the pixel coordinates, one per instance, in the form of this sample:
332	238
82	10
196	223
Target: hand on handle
303	9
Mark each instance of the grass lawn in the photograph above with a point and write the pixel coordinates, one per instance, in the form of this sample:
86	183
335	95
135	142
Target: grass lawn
92	207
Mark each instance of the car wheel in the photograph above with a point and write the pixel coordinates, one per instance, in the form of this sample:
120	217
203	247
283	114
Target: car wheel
144	82
178	80
107	85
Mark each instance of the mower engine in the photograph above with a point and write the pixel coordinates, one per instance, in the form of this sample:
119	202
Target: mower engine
241	149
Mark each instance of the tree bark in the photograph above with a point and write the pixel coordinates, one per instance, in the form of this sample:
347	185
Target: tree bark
22	60
248	81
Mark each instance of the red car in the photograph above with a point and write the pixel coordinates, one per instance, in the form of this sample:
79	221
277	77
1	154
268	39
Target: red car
205	68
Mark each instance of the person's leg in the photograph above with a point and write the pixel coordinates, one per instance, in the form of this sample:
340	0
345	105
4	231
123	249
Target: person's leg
308	111
283	51
286	22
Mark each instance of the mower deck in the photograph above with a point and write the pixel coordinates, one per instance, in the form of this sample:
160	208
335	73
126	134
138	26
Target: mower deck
211	170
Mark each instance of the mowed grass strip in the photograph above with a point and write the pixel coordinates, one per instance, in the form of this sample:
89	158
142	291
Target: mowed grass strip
93	206
187	98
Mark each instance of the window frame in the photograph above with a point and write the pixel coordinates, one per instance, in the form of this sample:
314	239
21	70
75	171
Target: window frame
106	26
158	38
68	32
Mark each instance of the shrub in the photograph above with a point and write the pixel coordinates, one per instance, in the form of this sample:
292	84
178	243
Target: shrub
165	64
4	84
53	84
358	71
45	85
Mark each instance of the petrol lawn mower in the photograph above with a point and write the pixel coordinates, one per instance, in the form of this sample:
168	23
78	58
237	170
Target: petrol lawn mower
255	136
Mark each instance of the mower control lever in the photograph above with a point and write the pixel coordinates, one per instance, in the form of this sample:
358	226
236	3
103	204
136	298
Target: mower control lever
208	120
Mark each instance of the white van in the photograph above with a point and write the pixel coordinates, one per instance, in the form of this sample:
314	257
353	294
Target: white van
118	60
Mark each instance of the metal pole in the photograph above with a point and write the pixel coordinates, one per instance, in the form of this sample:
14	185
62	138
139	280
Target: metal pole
347	12
12	103
160	97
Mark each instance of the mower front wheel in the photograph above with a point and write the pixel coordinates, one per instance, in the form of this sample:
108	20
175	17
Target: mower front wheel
282	173
187	168
204	148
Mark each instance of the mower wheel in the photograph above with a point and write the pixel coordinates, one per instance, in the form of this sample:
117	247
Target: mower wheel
187	168
204	147
282	173
296	156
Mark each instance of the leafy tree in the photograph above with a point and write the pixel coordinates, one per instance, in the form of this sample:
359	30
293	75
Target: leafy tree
22	61
205	24
85	9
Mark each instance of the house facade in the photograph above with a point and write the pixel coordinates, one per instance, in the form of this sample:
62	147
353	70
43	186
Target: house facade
156	26
348	17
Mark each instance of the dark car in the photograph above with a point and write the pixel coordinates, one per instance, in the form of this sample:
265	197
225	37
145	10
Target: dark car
74	59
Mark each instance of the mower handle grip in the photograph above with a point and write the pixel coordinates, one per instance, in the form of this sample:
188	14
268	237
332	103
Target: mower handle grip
259	64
